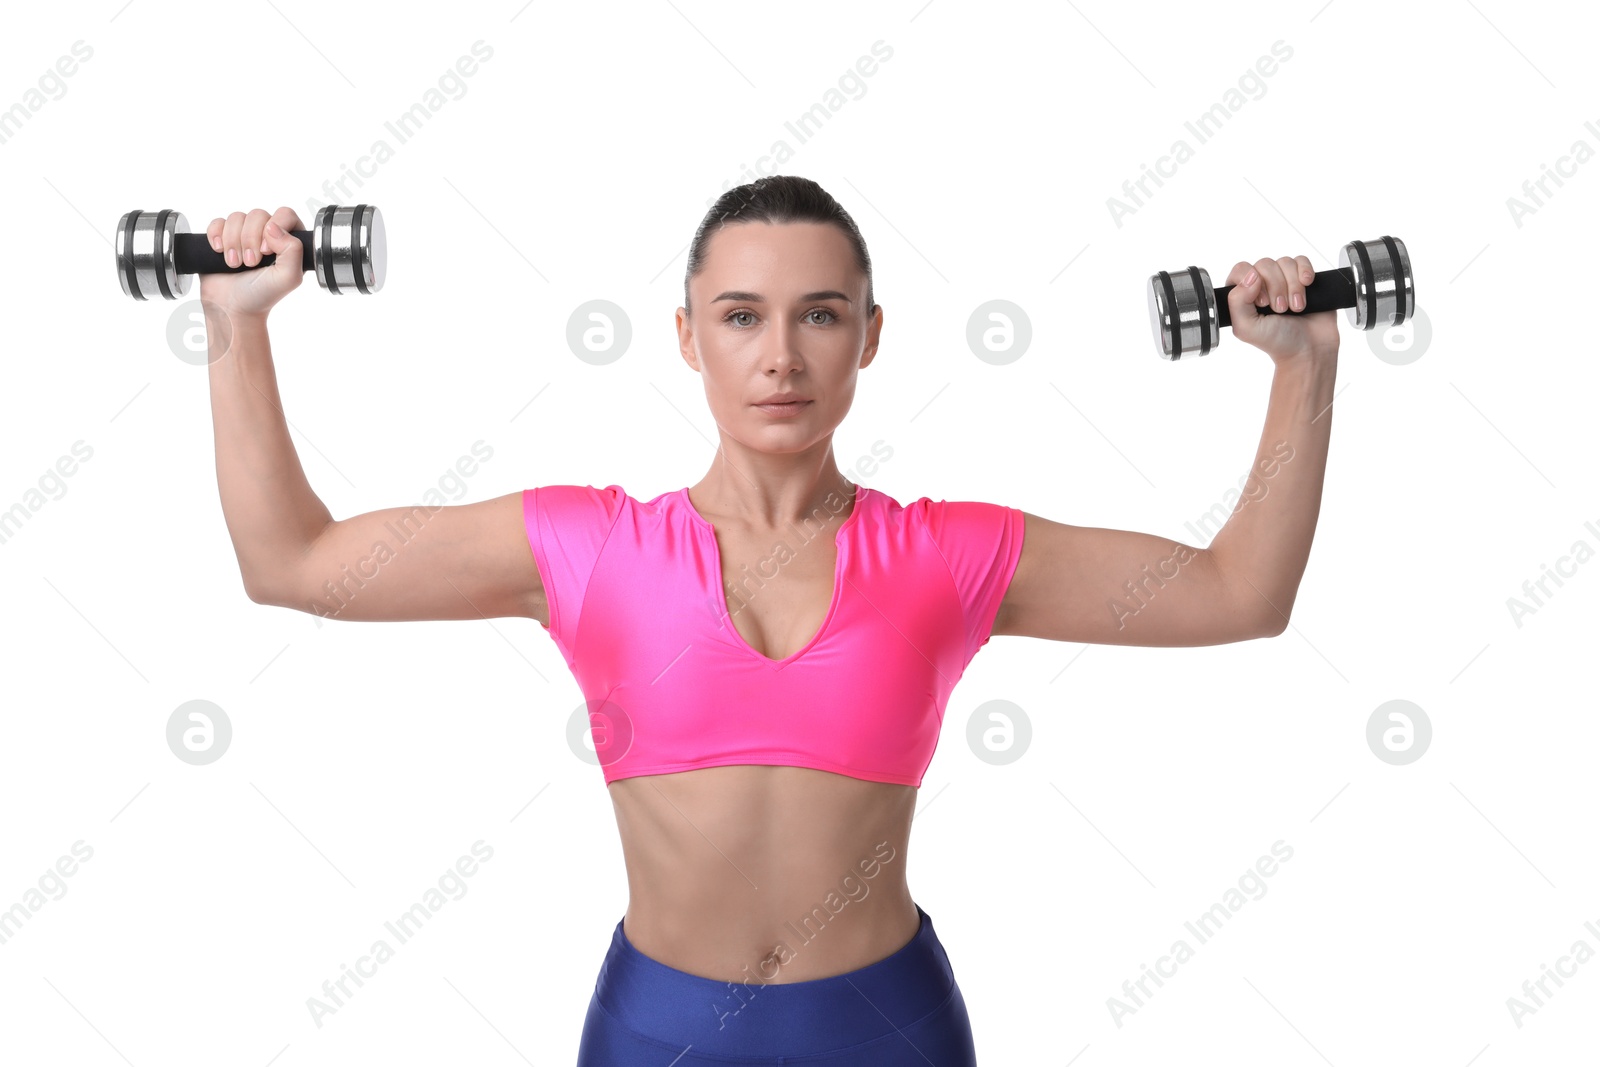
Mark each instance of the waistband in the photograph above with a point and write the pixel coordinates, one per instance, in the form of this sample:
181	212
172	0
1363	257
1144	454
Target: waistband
752	1017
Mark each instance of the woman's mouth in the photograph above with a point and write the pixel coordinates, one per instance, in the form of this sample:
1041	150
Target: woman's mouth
793	407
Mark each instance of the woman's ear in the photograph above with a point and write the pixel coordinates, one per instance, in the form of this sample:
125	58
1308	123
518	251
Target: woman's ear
686	339
874	329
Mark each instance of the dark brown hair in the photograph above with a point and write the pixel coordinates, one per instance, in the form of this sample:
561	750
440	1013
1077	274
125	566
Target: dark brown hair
776	198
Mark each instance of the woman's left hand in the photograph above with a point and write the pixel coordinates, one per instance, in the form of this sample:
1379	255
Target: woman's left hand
1282	284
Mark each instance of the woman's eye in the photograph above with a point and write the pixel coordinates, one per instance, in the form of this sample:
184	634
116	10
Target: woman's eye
746	319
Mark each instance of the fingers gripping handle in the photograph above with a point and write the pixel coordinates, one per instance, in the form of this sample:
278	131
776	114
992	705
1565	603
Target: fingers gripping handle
346	248
1329	290
1372	282
194	255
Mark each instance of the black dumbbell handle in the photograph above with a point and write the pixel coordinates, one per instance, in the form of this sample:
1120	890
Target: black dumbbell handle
1330	290
192	254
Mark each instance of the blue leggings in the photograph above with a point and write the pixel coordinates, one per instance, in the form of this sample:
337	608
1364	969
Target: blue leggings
904	1010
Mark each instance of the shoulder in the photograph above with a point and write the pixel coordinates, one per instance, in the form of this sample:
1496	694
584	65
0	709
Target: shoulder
580	510
573	500
957	520
590	507
972	536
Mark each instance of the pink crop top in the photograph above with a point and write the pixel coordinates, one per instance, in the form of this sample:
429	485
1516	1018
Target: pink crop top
638	611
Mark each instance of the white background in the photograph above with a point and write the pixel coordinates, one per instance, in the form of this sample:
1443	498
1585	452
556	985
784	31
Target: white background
978	160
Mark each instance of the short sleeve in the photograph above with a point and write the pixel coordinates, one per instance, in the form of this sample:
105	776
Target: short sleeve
567	527
981	544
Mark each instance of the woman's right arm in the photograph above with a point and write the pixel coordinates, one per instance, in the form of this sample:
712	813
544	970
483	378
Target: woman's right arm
466	561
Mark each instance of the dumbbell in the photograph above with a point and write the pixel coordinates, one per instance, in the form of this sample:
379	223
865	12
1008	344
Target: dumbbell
345	248
1373	280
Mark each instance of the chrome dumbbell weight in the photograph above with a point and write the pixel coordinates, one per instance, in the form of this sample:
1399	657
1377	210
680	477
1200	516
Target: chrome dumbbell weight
345	248
1373	280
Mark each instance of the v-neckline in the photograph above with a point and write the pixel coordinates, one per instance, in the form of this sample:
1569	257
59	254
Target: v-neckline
722	592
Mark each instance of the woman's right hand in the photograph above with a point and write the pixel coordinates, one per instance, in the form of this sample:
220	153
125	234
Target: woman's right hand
244	239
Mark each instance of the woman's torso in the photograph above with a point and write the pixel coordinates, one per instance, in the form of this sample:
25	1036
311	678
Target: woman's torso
763	873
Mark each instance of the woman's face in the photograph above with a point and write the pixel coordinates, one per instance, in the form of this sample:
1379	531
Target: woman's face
779	308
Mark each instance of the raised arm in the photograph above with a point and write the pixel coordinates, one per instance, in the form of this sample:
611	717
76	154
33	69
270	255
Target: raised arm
1118	587
465	561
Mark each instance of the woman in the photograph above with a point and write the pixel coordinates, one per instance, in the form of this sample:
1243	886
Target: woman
767	654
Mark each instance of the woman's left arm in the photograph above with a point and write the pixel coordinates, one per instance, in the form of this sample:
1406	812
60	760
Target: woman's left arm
1076	583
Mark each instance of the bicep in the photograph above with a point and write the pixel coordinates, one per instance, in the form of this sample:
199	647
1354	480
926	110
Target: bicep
461	561
1120	587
